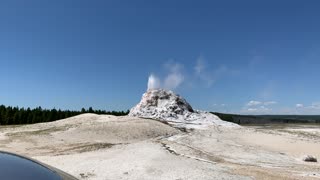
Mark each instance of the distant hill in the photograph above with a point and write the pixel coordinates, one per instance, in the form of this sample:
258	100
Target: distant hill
266	119
14	115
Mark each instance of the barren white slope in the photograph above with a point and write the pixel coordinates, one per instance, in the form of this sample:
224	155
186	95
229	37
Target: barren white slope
169	107
100	147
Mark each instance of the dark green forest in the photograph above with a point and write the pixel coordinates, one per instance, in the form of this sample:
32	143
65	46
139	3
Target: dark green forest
15	115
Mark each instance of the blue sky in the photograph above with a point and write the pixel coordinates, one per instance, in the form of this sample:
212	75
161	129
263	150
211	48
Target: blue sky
245	57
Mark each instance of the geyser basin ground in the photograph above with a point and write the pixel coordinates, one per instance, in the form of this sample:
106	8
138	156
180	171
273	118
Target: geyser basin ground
103	147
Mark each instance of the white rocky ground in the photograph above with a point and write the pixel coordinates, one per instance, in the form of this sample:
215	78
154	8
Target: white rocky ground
103	147
100	147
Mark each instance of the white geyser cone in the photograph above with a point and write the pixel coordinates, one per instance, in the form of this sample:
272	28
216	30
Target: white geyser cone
169	107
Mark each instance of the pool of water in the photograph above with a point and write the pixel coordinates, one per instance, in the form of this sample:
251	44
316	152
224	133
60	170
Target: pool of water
14	167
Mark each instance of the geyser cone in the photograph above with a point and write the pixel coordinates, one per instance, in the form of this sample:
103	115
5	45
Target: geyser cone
167	106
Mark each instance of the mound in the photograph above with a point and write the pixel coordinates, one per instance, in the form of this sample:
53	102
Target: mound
169	107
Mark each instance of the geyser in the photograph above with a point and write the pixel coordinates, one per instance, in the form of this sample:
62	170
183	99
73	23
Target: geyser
166	106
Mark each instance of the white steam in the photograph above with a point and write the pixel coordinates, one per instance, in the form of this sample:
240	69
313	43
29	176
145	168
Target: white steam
153	82
171	81
176	75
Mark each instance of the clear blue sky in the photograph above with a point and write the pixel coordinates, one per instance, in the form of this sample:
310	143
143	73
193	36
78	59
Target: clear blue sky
248	57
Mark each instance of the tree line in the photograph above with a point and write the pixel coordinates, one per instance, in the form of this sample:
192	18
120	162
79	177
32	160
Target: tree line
14	115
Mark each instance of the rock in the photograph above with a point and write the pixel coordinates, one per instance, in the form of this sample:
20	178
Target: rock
310	158
173	109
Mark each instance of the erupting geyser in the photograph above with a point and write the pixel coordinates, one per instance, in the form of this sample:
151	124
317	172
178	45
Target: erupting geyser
153	82
169	107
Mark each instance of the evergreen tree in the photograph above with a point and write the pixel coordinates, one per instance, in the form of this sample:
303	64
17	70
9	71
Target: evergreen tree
90	110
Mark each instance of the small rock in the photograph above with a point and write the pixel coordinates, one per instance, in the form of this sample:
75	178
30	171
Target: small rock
82	175
310	158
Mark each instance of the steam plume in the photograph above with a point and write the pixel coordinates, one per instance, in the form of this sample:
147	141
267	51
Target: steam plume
153	82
